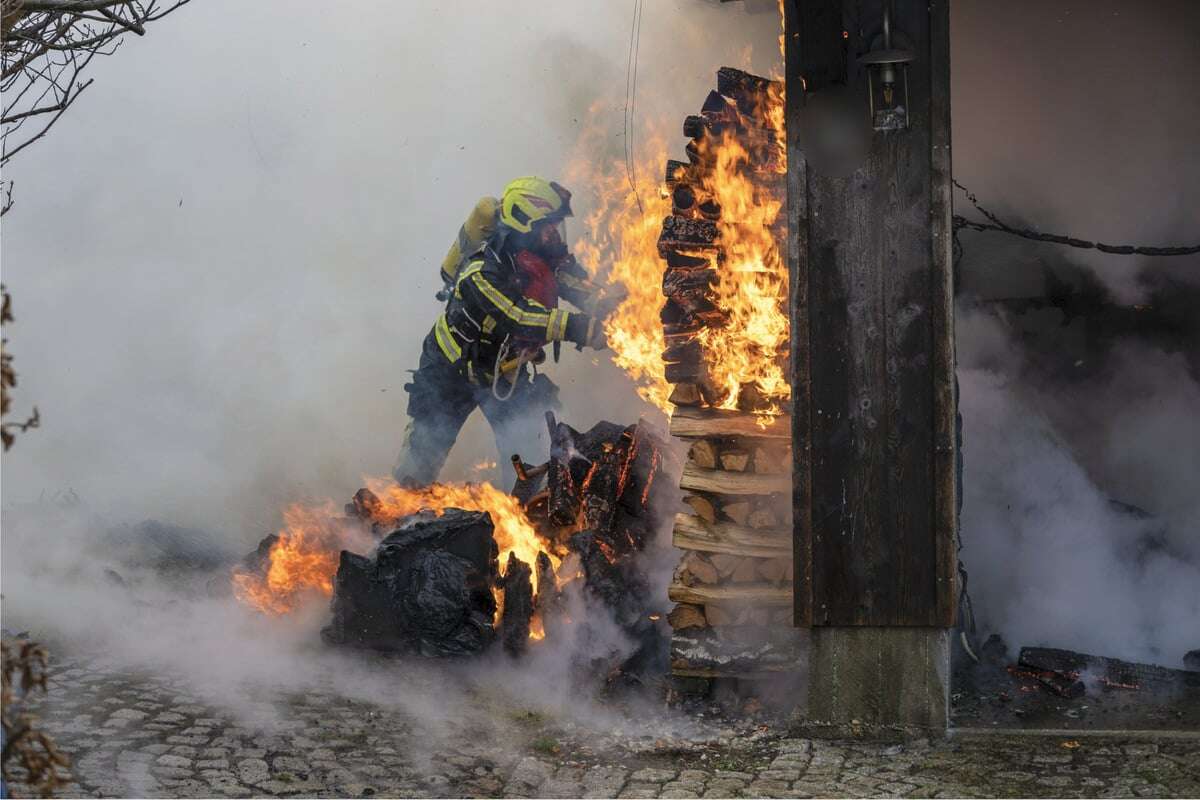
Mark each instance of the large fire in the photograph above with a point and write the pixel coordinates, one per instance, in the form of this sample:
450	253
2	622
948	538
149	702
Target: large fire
304	558
620	240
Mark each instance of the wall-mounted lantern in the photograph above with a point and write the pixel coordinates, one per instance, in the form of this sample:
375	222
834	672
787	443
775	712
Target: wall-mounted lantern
887	78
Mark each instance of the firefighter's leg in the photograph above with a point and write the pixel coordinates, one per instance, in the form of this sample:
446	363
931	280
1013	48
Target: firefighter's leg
519	423
439	402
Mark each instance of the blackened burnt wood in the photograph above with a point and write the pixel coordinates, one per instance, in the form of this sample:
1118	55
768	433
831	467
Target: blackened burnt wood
518	605
1112	670
748	91
684	372
681	233
685	349
877	556
601	489
563	501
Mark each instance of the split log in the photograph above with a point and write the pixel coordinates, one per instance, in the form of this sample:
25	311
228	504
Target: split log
714	422
725	563
723	482
686	615
683	199
683	349
546	584
700	568
678	260
720	616
704	453
694	569
738	511
690	288
770	460
734	83
775	570
745	572
685	394
687	372
681	233
697	533
703	506
757	593
678	172
734	460
763	517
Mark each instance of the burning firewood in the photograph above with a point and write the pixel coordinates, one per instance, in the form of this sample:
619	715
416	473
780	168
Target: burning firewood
725	277
517	589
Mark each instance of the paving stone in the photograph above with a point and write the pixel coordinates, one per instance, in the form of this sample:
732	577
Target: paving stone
639	790
785	775
1054	780
173	761
1052	758
253	770
723	774
652	775
559	788
531	772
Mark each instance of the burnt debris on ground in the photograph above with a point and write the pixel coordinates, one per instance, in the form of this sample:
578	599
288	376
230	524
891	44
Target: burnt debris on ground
436	586
1043	687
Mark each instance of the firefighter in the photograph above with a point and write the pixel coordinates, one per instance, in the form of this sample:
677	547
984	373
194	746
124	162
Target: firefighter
502	307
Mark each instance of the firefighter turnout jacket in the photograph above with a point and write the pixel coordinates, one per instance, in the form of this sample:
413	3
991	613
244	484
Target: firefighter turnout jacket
488	312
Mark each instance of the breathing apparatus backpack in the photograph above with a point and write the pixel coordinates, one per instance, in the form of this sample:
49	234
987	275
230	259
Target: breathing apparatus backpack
480	226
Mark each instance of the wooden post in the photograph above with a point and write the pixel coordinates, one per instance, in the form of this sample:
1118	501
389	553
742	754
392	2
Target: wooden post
873	360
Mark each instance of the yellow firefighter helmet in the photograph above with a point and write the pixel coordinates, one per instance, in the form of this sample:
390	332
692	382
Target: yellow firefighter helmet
531	199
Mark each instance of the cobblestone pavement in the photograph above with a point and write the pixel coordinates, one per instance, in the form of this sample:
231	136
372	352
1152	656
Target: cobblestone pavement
152	737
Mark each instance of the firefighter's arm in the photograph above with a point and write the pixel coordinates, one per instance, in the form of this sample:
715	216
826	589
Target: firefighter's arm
576	288
574	285
523	318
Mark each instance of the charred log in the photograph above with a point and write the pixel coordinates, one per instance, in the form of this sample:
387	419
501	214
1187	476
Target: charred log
517	586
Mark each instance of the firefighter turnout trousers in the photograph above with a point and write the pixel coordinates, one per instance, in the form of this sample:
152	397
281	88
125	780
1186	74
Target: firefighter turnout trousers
441	398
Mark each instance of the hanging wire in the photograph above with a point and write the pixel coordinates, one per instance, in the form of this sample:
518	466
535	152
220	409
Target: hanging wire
996	224
631	65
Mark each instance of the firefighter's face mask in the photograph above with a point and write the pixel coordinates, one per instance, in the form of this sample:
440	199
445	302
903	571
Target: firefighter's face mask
551	239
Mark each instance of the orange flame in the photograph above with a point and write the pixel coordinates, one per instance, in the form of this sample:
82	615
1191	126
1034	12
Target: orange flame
621	237
304	560
513	531
301	562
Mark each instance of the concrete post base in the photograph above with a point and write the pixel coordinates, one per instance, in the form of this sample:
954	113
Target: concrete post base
871	681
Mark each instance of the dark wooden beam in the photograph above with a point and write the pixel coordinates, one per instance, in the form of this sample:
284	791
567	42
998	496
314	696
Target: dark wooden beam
872	333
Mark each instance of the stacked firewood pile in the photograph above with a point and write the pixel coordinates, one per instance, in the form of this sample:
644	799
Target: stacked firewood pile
732	588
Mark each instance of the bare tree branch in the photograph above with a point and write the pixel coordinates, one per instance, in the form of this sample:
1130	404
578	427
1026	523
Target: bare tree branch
46	44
